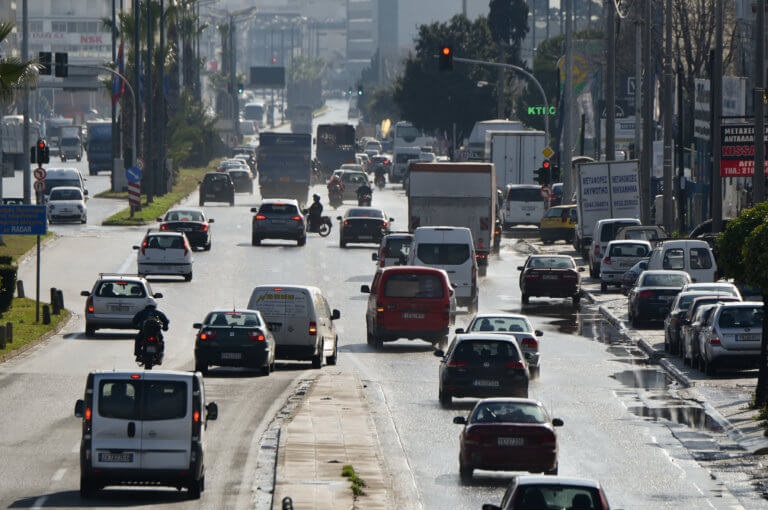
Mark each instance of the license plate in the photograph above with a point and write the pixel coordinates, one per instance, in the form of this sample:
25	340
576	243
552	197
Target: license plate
231	355
119	308
66	210
550	277
185	230
115	457
510	441
623	264
151	349
752	337
666	299
486	384
285	179
365	237
407	315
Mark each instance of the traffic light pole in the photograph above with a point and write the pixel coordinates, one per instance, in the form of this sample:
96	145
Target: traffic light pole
527	75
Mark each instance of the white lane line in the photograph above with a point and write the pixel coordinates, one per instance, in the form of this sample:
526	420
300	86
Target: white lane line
39	502
59	474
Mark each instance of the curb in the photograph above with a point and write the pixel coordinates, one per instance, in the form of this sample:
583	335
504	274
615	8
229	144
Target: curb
24	348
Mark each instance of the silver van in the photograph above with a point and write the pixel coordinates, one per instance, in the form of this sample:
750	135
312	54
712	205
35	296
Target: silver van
524	205
143	428
300	320
55	177
605	232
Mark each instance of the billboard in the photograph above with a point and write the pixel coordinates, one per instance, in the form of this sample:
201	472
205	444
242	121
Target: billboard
737	157
267	77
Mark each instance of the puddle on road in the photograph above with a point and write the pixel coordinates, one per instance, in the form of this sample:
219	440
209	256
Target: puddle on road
690	416
647	378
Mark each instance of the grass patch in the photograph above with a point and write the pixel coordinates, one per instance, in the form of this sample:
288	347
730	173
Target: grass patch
357	483
25	329
16	246
187	181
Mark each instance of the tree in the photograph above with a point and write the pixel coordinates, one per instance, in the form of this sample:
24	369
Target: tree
14	72
742	255
433	100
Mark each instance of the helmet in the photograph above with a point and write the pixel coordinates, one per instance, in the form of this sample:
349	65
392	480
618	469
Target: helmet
316	197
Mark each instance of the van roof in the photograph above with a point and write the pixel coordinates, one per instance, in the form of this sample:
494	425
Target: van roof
412	269
280	288
677	243
141	373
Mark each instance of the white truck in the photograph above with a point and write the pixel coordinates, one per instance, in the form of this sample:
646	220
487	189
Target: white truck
606	189
475	143
455	195
71	143
15	156
515	155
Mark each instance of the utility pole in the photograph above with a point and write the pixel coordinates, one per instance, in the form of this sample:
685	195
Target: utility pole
668	108
25	107
646	159
716	87
136	78
566	151
149	160
610	82
758	179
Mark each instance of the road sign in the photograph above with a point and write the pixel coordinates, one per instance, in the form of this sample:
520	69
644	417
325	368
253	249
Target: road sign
39	173
546	192
134	193
39	186
23	219
140	163
133	174
547	152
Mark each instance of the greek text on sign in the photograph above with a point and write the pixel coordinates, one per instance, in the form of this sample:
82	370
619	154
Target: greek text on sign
23	220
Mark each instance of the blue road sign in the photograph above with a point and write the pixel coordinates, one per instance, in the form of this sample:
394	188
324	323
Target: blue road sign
133	174
23	220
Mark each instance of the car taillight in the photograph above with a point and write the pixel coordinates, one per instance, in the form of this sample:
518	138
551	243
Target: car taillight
607	260
597	250
383	223
514	364
454	363
481	256
187	248
645	294
296	218
151	339
207	335
531	343
204	228
570	276
163	227
256	336
260	217
197	421
532	275
312	329
714	341
89	304
144	247
346	223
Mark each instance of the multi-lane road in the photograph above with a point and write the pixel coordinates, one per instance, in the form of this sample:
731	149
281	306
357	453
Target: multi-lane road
587	379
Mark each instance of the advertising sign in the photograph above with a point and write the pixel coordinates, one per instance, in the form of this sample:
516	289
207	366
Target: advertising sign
737	157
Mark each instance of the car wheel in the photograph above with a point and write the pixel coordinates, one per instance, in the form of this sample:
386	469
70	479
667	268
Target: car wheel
201	367
576	300
708	367
232	202
317	359
255	241
201	202
331	360
603	286
207	246
368	338
465	473
378	343
482	270
342	242
266	369
525	298
90	331
195	488
87	488
552	471
446	400
686	360
666	342
592	272
534	372
695	361
188	277
302	241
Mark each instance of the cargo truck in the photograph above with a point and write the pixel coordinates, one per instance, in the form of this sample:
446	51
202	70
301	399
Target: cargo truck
515	155
71	143
283	162
455	195
99	146
606	189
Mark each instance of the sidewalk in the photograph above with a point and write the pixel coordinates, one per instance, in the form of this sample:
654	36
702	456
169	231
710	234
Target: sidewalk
331	428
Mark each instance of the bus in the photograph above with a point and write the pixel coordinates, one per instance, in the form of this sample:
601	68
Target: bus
335	145
255	112
407	140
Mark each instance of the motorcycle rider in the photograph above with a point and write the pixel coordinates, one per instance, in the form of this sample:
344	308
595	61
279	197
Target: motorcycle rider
315	212
362	191
380	173
140	320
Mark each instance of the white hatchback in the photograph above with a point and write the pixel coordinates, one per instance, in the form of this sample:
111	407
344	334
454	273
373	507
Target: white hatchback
66	203
165	253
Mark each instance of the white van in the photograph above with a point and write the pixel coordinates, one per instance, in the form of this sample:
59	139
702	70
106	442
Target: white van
143	428
451	249
523	205
300	320
55	177
694	256
605	232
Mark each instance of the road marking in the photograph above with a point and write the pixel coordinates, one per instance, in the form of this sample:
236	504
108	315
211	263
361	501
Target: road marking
39	502
76	448
59	474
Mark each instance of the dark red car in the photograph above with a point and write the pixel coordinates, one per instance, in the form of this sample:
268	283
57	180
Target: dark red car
193	222
508	434
550	276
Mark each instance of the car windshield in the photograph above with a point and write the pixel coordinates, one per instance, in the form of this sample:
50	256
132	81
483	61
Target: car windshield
184	216
515	324
556	496
278	208
443	254
609	230
643	235
139	400
741	317
413	285
397	247
51	183
233	319
509	412
66	194
164	242
120	289
364	213
217	178
524	195
663	280
480	351
628	250
551	263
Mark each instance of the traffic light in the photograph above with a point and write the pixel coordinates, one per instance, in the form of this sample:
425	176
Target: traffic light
274	60
445	58
359	90
240	88
44	57
230	88
42	151
555	173
349	91
543	173
62	68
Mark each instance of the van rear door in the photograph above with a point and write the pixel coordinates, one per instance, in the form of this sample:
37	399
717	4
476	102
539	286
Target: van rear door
287	313
166	427
415	302
116	440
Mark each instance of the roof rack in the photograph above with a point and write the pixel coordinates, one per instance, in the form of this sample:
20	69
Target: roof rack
136	275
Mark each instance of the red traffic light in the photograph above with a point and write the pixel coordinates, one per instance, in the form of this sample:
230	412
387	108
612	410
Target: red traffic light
41	144
445	50
545	164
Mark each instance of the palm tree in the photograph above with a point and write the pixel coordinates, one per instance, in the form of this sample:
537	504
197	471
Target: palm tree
14	72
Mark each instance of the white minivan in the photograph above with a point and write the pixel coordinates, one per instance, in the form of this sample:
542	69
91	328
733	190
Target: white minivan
143	428
694	256
451	249
300	320
523	205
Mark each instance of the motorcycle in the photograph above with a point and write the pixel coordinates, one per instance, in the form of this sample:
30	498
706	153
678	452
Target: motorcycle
151	344
322	226
364	199
335	197
381	181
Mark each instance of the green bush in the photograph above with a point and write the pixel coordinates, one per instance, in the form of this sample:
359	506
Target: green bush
8	271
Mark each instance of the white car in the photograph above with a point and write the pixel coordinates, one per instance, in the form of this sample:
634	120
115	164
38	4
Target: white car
67	203
165	253
114	300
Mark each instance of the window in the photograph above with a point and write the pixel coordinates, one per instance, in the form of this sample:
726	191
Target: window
118	398
412	285
278	209
443	254
524	195
164	400
58	26
121	289
674	258
480	351
700	259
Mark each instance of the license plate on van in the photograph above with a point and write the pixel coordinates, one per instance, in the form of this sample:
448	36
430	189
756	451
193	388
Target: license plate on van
410	315
231	355
115	457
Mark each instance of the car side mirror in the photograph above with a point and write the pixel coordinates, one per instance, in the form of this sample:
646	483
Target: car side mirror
365	289
391	220
557	422
338	218
335	315
157	295
159	218
136	247
519	268
254	210
439	353
210	220
212	411
374	256
538	332
197	325
80	408
581	269
459	330
85	193
459	420
85	293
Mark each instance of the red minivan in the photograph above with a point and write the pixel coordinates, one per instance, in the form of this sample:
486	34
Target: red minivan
409	302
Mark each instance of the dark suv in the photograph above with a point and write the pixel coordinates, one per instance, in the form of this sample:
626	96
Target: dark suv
217	187
278	219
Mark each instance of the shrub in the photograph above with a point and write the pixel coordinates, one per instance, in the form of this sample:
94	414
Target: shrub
8	270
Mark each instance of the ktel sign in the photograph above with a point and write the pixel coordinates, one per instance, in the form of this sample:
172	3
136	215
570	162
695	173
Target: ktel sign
542	110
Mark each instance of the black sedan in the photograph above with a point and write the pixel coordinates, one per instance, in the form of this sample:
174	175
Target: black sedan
217	187
192	222
651	297
482	365
550	276
235	338
363	225
242	178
